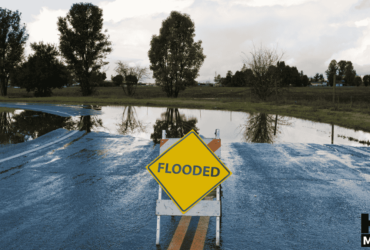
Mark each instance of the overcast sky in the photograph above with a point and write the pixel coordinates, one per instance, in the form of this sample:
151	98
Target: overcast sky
310	32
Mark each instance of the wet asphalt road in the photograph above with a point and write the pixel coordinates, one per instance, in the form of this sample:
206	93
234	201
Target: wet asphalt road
92	191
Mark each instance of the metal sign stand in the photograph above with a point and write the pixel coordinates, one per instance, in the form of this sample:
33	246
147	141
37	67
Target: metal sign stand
202	208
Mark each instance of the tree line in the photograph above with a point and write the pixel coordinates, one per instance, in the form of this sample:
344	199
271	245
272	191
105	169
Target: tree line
345	72
290	76
83	46
175	59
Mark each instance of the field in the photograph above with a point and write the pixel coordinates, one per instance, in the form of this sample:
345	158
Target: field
6	109
351	108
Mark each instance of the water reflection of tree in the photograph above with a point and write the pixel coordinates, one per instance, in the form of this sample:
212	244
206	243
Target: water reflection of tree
86	123
8	134
16	128
175	124
130	124
29	125
262	128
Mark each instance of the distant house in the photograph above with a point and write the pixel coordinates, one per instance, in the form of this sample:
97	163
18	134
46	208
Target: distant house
319	84
205	84
339	83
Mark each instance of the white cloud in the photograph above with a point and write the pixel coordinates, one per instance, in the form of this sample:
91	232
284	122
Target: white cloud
262	3
360	51
124	9
363	22
44	27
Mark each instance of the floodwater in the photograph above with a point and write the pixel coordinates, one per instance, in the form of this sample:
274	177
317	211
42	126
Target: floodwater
84	185
148	123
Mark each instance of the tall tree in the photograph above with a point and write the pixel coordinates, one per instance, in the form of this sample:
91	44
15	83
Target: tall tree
295	79
238	80
321	77
217	79
97	78
349	74
304	80
13	38
358	81
366	80
316	77
341	69
284	73
331	71
228	78
174	56
42	72
83	43
249	77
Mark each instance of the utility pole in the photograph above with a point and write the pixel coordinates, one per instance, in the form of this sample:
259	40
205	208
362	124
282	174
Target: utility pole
334	88
275	124
332	133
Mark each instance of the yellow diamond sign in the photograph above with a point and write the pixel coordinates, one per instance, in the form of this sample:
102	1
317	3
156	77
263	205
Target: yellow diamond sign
188	171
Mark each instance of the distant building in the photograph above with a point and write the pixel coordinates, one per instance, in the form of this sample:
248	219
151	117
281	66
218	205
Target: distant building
205	84
319	84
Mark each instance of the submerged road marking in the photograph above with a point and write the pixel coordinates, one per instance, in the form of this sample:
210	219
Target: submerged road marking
38	148
180	232
200	234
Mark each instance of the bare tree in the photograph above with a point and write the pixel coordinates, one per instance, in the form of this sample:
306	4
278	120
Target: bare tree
130	124
127	72
124	70
263	128
263	62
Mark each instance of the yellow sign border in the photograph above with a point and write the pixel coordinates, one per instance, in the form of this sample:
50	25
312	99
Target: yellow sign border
164	188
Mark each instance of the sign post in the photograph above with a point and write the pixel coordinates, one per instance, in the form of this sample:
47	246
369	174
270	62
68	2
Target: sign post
188	169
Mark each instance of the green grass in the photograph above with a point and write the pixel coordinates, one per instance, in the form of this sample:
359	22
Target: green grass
306	103
6	110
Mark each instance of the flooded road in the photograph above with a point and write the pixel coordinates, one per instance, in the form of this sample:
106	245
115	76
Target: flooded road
92	191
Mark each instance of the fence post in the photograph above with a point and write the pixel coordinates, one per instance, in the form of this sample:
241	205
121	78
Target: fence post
159	198
218	198
334	89
337	101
